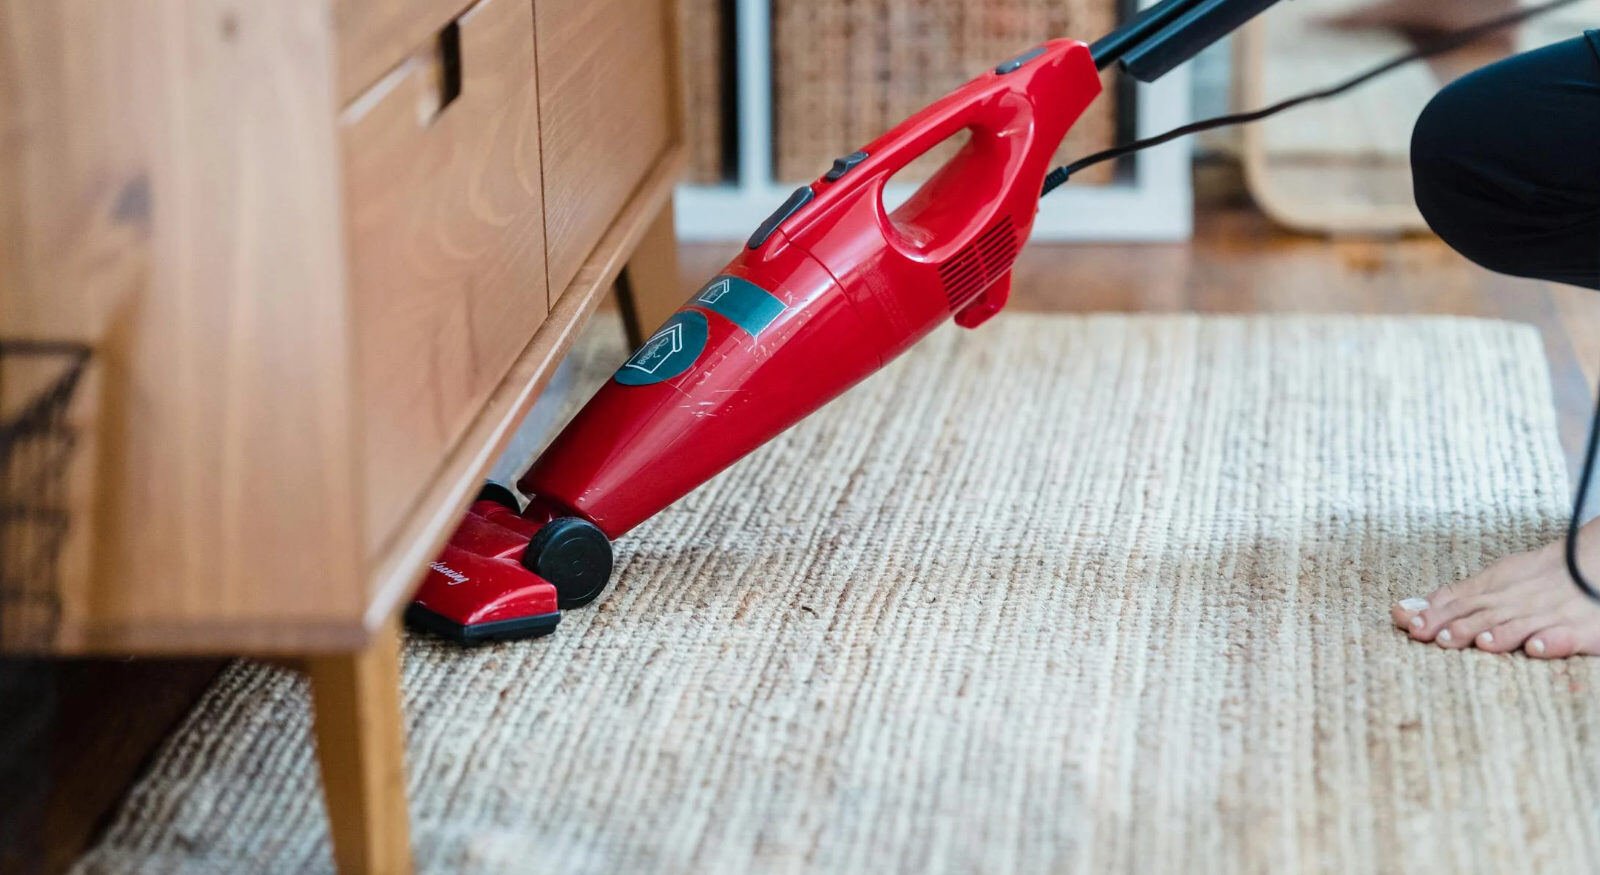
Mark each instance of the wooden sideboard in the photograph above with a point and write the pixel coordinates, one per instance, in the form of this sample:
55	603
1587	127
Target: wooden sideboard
326	254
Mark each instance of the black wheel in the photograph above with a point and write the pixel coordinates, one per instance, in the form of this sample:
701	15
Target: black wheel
501	495
575	556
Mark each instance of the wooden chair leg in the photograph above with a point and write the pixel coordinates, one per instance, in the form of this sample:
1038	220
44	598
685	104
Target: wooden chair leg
648	289
361	748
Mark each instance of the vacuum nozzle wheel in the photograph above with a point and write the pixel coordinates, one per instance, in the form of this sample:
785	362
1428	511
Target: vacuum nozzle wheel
575	556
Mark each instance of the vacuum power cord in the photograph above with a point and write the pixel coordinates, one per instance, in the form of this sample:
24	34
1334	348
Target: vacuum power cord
1578	501
1453	40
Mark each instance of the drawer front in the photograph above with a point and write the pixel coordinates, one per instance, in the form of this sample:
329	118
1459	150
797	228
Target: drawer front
606	111
373	36
446	244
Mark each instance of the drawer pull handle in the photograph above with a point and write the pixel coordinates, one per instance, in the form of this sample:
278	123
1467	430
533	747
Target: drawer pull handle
449	65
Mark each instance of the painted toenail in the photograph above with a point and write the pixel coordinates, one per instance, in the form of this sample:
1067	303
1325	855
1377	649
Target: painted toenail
1444	636
1485	639
1416	622
1536	645
1413	605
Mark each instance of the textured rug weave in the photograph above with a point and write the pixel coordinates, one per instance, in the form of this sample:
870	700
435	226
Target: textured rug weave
1098	594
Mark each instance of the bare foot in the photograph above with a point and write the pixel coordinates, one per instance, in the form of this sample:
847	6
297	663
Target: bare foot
1524	601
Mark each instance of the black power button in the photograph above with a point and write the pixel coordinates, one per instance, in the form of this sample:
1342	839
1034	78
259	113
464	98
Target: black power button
843	165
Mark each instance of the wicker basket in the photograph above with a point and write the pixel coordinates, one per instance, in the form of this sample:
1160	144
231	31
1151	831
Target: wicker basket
707	86
845	71
37	382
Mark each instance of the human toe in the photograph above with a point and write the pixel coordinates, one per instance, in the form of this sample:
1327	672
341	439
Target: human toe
1406	613
1511	634
1436	619
1555	642
1465	631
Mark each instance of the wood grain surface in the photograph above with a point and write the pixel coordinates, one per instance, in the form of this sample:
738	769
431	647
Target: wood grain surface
375	36
606	112
446	249
361	748
459	474
172	197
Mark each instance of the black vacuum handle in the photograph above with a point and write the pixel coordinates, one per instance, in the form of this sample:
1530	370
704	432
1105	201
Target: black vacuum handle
1170	33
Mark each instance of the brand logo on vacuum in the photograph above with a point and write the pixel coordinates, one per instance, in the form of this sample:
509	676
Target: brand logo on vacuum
715	291
748	306
668	353
454	577
658	349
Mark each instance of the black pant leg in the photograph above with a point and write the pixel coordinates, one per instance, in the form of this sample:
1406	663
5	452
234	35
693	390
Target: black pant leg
1506	164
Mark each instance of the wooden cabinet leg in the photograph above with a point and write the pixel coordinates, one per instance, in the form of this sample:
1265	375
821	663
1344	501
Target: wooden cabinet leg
361	748
648	288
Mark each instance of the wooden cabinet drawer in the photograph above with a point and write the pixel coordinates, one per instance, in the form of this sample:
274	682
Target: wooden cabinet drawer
446	245
375	35
606	111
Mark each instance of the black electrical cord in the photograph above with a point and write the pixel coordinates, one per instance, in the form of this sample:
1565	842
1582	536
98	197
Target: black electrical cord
1453	40
1578	501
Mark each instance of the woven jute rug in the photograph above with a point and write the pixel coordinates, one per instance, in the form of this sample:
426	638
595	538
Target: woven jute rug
1095	594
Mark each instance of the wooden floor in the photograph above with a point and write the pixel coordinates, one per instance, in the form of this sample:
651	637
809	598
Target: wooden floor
74	734
1237	263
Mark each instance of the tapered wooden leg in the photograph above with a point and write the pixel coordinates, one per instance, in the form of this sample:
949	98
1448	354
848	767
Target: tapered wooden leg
648	288
361	748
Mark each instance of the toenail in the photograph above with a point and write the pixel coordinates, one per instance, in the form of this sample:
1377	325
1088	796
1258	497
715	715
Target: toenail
1485	639
1416	622
1536	645
1444	636
1412	605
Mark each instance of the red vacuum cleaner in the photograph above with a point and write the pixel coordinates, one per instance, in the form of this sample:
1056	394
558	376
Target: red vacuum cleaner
828	289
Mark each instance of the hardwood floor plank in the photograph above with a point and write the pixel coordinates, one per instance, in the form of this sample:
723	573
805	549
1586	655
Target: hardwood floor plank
1239	262
74	739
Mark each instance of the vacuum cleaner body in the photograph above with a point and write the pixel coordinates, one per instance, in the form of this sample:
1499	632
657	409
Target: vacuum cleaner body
829	288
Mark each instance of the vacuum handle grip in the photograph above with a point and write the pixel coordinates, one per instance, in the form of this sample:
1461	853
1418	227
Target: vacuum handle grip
1004	110
935	218
1017	115
963	109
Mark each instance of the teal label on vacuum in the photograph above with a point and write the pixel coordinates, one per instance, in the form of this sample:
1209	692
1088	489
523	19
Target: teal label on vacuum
742	302
668	353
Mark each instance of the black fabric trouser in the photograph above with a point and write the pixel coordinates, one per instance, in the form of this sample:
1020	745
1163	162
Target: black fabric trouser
1506	164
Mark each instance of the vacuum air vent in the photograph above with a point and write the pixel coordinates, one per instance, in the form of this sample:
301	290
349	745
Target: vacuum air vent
979	263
